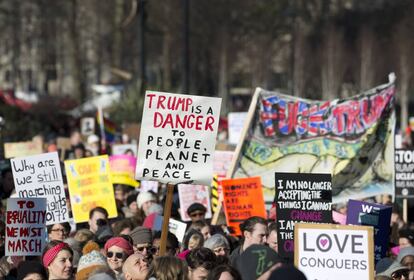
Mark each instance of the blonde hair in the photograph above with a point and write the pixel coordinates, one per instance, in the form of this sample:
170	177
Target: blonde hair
168	268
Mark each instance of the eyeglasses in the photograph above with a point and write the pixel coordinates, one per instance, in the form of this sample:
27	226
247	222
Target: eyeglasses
197	214
117	255
150	249
60	229
398	274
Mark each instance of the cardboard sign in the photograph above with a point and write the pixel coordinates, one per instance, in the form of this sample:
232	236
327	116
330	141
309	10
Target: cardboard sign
22	149
40	176
189	194
63	143
236	124
178	137
334	252
90	186
175	227
87	126
372	214
125	149
123	170
300	198
25	226
221	162
243	198
404	173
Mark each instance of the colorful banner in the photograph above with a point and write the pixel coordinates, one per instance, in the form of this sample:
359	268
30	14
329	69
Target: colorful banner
300	198
90	186
123	170
22	149
334	252
178	137
40	176
25	226
243	198
189	194
404	173
352	139
372	214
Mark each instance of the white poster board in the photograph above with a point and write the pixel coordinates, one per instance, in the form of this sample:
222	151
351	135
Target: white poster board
178	138
40	176
147	186
123	149
25	226
236	122
87	126
337	252
177	228
189	194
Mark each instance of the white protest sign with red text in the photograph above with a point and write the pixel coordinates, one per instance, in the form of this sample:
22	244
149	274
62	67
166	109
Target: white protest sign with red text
25	226
178	137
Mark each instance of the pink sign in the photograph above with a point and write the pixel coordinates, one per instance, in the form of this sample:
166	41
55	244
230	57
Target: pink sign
123	169
190	194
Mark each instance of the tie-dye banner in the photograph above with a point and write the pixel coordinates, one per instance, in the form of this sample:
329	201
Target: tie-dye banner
352	139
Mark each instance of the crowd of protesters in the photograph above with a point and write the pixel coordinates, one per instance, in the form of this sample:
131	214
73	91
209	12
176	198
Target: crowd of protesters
127	248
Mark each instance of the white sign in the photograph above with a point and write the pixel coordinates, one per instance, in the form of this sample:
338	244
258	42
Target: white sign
189	194
236	123
147	186
87	126
124	149
40	176
177	139
25	226
178	229
221	163
336	252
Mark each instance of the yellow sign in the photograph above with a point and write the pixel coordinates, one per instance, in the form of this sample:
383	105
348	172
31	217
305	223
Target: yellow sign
90	185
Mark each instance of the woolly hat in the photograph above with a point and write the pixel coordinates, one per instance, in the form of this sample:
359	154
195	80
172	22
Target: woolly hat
121	243
396	266
145	197
248	262
89	262
141	235
287	272
196	207
407	251
28	267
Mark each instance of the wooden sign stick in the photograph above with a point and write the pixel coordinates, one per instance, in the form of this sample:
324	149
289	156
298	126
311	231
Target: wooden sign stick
166	220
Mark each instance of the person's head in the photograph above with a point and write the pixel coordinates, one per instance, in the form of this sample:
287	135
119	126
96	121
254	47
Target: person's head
58	231
202	227
193	239
131	203
124	226
285	272
7	183
145	200
406	257
142	240
406	238
254	231
79	151
271	238
117	250
121	192
135	267
97	216
396	272
168	268
196	212
173	245
91	261
57	259
31	270
224	272
200	261
218	244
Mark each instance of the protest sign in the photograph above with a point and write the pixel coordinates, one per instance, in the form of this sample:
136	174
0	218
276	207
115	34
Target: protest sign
22	149
404	173
124	149
372	214
146	186
40	176
338	217
300	198
25	226
87	126
334	252
177	139
243	198
90	186
284	133
189	194
236	122
221	162
175	227
123	170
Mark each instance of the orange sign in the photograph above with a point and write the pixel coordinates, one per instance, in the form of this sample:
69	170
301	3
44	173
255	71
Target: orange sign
243	198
